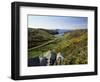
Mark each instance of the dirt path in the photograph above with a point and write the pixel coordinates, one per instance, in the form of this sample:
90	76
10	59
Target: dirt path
42	44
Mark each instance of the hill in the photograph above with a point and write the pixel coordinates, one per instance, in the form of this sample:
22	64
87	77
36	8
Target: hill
37	37
73	46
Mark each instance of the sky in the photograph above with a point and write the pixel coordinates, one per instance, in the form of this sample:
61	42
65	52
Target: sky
57	22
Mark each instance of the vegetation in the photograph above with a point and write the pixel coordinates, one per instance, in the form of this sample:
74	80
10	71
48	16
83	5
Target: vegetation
37	37
73	44
74	47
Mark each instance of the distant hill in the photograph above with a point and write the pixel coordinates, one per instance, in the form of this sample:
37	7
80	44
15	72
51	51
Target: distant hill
37	37
51	31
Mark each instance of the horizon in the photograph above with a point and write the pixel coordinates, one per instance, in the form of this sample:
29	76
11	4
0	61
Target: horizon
58	29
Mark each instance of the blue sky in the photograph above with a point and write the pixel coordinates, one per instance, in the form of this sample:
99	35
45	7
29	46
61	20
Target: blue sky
57	22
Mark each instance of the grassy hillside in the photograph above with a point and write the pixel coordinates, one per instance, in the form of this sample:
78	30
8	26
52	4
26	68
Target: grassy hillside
73	45
37	37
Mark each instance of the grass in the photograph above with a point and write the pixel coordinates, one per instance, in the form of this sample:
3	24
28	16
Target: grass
42	49
73	45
